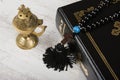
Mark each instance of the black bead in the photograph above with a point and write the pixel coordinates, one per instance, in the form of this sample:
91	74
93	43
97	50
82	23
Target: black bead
102	21
103	4
115	15
107	1
93	25
93	12
86	18
89	15
96	9
83	29
81	25
98	23
89	27
83	21
106	19
111	18
119	12
99	7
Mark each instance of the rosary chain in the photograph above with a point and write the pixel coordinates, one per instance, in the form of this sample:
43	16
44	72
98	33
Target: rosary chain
82	26
101	22
90	15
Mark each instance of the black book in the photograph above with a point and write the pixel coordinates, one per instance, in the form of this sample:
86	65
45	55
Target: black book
100	48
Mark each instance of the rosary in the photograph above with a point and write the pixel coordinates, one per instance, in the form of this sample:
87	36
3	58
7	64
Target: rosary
61	57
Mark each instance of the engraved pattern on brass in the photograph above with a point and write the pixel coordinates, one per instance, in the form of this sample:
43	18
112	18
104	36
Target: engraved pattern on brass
116	30
26	41
25	22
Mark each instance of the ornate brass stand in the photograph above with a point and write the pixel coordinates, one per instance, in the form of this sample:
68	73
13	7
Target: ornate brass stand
25	23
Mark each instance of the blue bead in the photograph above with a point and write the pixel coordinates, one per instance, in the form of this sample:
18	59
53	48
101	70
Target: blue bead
76	29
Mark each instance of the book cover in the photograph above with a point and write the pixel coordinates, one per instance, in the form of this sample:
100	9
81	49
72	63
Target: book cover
99	47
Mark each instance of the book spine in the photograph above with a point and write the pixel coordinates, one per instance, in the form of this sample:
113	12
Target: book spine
63	26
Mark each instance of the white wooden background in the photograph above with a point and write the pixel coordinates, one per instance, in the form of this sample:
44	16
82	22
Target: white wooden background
18	64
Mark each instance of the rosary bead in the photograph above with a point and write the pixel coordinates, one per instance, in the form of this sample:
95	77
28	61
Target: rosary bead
99	7
119	12
88	27
102	3
83	29
96	9
93	25
98	23
102	21
107	1
111	18
106	19
76	29
89	15
93	12
86	18
83	21
81	24
115	15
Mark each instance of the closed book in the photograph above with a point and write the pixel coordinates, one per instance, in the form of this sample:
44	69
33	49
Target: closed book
100	47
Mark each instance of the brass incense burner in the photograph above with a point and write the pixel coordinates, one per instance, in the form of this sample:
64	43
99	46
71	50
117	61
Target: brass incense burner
25	22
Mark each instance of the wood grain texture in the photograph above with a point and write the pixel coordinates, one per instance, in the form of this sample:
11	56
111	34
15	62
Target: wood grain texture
18	64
